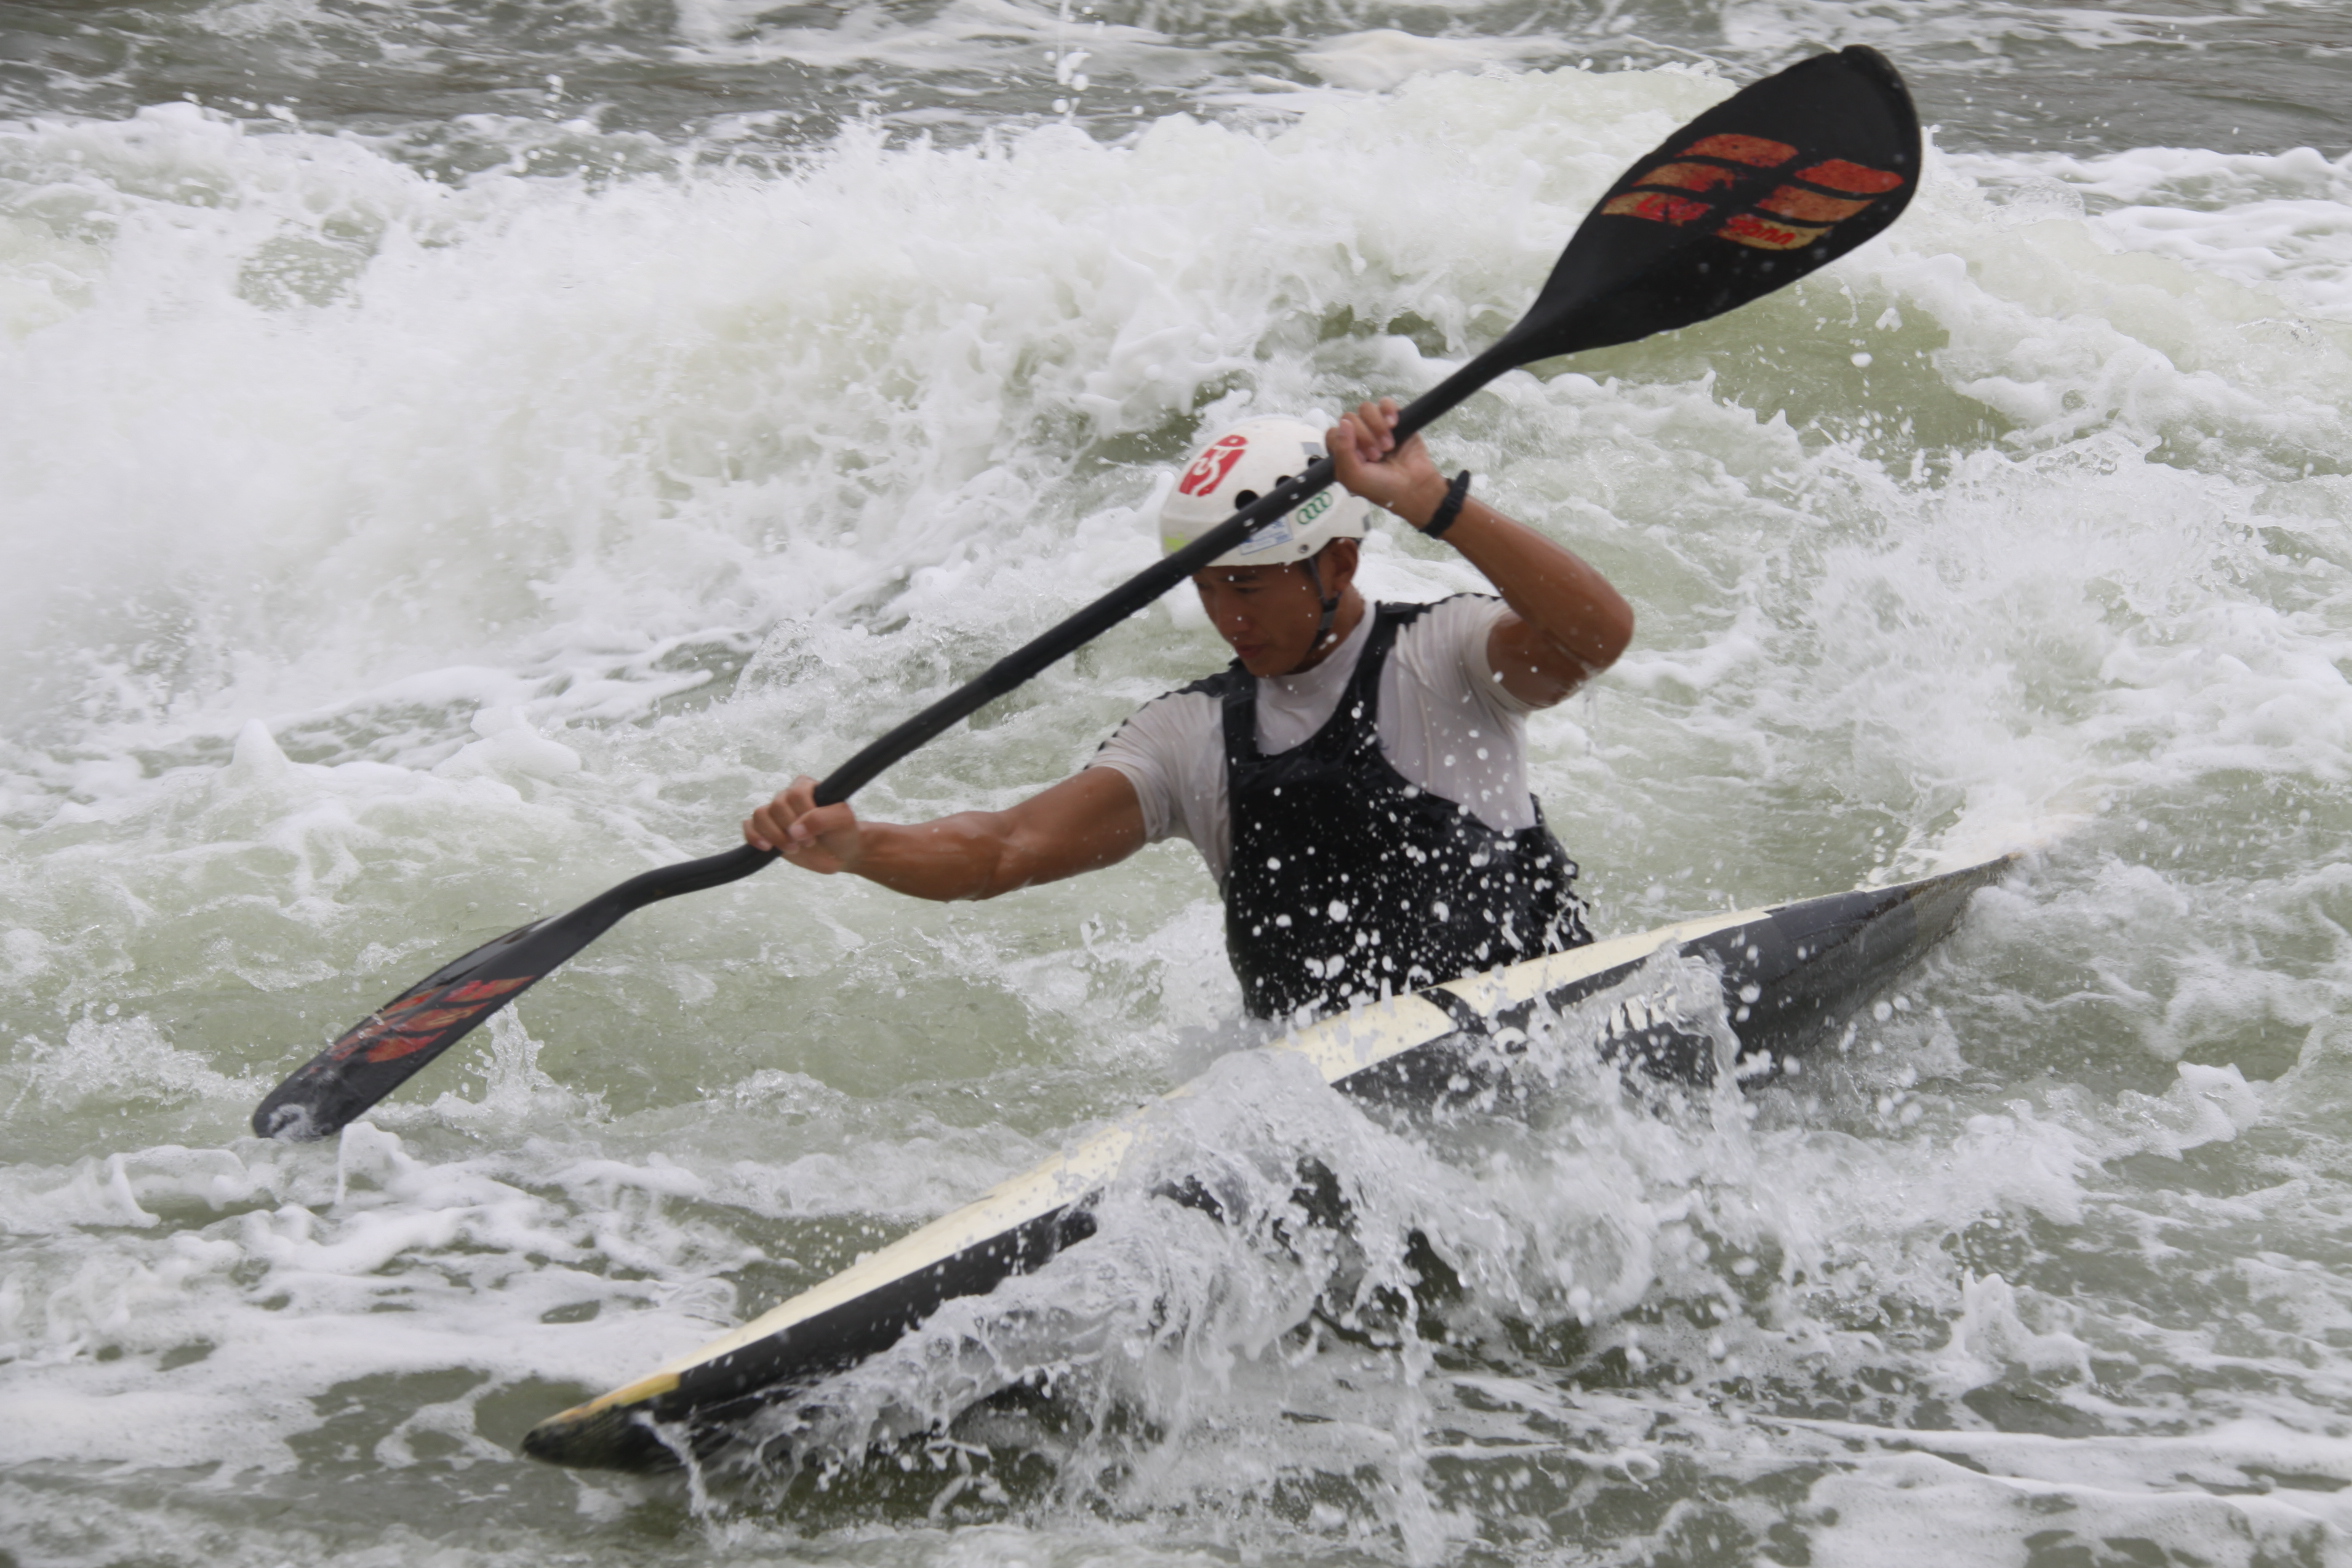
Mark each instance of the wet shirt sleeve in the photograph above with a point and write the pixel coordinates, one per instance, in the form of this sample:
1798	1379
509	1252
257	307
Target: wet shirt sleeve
1467	625
1173	751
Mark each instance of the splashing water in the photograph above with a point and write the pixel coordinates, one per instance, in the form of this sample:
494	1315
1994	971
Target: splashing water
460	459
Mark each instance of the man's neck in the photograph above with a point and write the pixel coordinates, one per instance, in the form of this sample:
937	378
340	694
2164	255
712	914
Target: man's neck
1343	626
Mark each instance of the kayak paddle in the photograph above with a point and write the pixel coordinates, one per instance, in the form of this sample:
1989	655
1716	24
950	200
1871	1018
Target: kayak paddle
1782	177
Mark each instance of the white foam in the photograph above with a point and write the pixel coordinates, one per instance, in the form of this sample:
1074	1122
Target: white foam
396	560
2281	220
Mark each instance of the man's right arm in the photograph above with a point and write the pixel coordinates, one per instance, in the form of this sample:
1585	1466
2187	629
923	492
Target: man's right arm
1567	624
1084	823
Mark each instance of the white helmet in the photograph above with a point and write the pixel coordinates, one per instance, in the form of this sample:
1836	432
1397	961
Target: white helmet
1243	464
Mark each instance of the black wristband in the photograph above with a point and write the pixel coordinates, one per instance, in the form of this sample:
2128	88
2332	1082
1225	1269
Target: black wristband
1449	508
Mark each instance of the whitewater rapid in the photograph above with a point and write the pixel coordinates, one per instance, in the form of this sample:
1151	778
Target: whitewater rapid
404	542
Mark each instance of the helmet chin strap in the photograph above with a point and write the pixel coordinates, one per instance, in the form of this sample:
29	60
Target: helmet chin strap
1330	605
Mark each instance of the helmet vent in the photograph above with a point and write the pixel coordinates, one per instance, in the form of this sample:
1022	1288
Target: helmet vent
1244	498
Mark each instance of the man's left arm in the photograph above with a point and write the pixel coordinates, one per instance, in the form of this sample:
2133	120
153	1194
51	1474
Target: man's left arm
1567	624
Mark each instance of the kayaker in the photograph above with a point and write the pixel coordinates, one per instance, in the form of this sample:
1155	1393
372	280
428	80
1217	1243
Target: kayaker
1356	779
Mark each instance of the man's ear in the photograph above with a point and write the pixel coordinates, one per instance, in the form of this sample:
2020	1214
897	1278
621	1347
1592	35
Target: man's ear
1336	564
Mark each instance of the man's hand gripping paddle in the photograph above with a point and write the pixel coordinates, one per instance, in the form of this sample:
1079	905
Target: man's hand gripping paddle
1780	178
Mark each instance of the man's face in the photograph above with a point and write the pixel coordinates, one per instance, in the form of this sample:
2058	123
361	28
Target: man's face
1266	614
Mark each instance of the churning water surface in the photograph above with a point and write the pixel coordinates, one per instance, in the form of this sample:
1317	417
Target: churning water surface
453	457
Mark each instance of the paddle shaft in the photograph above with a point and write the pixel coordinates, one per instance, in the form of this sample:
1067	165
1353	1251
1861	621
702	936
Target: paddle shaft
1023	664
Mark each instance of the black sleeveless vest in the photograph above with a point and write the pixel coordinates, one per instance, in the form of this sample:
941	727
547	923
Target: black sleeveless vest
1349	884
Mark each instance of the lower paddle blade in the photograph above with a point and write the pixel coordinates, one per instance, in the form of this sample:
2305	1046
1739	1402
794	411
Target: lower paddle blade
1782	177
385	1049
379	1054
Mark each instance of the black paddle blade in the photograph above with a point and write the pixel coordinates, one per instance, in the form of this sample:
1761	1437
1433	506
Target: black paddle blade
377	1055
1782	177
385	1049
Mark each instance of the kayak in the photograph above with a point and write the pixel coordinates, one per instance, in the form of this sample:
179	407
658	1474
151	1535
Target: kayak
1788	976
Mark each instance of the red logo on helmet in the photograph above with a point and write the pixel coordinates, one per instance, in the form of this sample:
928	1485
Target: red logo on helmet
1210	468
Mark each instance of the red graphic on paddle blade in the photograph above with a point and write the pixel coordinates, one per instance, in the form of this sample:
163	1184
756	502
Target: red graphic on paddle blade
1851	178
431	1019
1709	195
1758	232
1808	206
1691	176
416	1022
484	990
393	1046
1756	151
1658	207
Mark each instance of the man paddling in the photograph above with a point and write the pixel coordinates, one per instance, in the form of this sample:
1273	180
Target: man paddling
1783	177
1356	780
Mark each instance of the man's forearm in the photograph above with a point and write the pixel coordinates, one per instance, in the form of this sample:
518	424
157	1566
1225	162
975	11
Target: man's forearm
1090	820
1551	588
951	858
